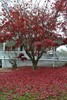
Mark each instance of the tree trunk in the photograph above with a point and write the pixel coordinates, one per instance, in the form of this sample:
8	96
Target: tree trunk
14	65
34	64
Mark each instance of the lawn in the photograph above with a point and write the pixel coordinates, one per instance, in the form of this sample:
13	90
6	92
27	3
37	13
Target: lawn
28	84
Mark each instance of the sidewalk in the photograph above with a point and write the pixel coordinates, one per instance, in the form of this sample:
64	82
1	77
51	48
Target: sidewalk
6	69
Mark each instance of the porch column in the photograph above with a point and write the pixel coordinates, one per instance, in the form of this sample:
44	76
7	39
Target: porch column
3	58
54	51
4	46
18	49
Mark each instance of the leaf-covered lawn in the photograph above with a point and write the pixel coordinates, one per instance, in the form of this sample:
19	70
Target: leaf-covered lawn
39	84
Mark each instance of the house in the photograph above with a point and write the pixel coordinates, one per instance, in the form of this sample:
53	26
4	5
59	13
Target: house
6	57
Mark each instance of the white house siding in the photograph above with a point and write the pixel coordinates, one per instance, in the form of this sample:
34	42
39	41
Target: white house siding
10	55
4	57
42	62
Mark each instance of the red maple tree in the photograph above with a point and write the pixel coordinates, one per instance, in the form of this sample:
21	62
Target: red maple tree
33	27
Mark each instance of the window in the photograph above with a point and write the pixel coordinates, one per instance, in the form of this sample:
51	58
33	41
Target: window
13	48
21	48
10	48
7	48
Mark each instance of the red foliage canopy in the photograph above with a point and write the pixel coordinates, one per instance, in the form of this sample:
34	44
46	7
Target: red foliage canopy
34	28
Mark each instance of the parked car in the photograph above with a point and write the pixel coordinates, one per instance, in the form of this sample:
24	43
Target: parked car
51	56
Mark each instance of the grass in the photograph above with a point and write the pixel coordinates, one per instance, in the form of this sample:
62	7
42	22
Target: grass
64	97
30	96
